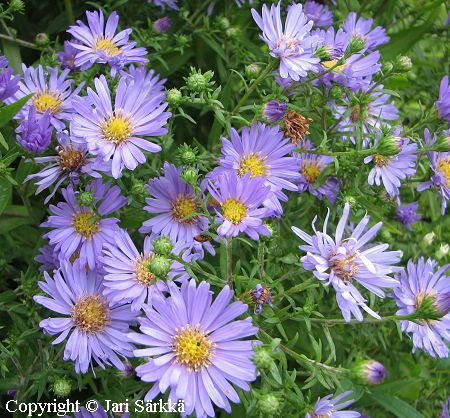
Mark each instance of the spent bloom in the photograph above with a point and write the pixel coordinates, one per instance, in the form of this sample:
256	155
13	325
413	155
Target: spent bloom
175	206
80	232
240	201
115	131
34	134
443	103
318	13
424	288
391	169
362	29
52	94
440	165
193	346
332	407
99	43
293	45
97	327
9	84
407	214
71	162
346	260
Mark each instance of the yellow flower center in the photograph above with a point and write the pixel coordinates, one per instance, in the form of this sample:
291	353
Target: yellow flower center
183	206
253	163
234	211
310	170
85	224
143	276
345	267
47	101
443	166
107	46
332	63
380	160
70	159
117	129
91	314
193	348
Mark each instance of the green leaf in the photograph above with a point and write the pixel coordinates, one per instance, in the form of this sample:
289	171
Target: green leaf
399	408
8	112
5	194
213	45
3	141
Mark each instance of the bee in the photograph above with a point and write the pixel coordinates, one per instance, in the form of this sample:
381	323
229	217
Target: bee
202	238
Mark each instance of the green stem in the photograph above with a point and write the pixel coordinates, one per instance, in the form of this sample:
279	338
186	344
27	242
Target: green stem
270	67
229	249
300	287
20	42
69	11
336	321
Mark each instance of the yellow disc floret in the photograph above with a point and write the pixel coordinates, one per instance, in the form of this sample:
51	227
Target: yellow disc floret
107	46
143	275
310	170
193	348
48	100
443	166
234	210
183	206
91	314
85	224
252	163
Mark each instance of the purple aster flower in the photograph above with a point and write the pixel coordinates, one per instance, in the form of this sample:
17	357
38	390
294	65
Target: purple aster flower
311	165
9	84
241	205
175	205
371	371
153	84
391	169
127	278
67	56
99	328
443	103
34	134
99	43
193	347
293	44
98	413
52	93
346	259
440	165
115	132
285	84
362	28
407	214
419	283
318	13
445	405
165	4
48	258
332	407
78	231
70	163
262	151
274	111
162	25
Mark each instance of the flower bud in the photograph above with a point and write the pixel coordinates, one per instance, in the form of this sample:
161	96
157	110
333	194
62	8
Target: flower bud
442	251
355	45
442	143
432	306
162	246
269	404
252	70
370	372
336	92
403	63
16	6
138	188
233	32
222	22
159	266
198	82
187	155
387	66
162	25
62	387
429	238
85	198
42	39
182	40
323	53
174	97
262	358
274	111
190	175
389	145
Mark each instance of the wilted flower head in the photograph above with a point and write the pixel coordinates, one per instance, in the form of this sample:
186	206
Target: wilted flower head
332	407
34	134
296	126
293	44
362	28
100	43
443	103
346	259
274	111
407	214
318	13
424	288
193	347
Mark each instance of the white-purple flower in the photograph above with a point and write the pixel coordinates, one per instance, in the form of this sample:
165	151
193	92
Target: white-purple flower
443	103
362	28
34	133
332	407
407	214
318	13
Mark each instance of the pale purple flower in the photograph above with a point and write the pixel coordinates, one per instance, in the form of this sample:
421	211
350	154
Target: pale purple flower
162	25
98	329
374	372
241	205
67	56
200	376
332	407
391	169
34	134
362	28
293	45
100	43
311	166
52	94
443	103
318	13
274	111
115	131
440	165
445	405
425	280
165	4
9	84
174	204
48	258
78	231
407	214
347	259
